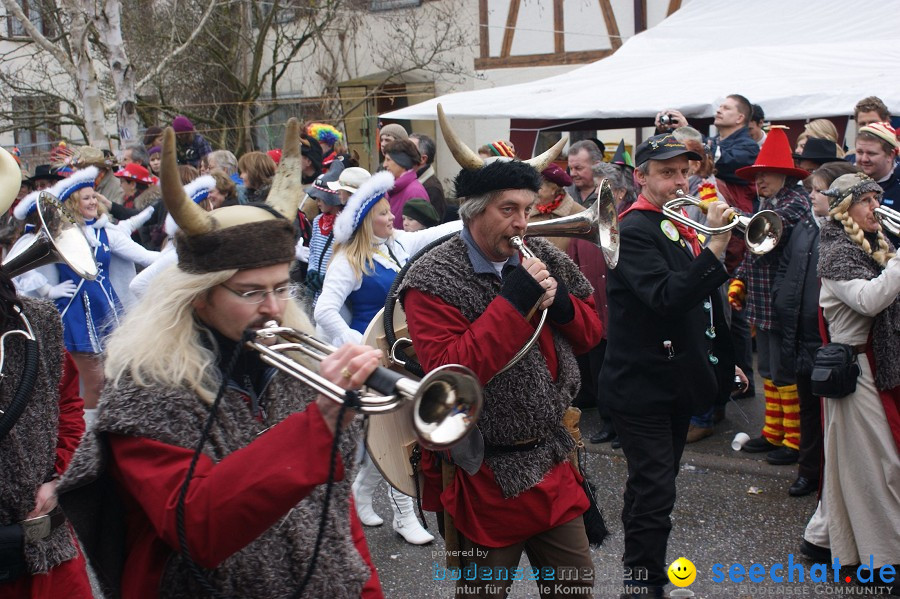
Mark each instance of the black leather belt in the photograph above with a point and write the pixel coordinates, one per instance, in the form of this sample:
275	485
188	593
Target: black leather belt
41	527
492	450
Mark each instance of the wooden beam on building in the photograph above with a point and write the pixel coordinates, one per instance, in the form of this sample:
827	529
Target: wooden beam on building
484	40
559	27
640	16
612	27
673	6
510	30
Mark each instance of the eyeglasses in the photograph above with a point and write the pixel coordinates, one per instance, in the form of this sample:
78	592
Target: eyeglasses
258	296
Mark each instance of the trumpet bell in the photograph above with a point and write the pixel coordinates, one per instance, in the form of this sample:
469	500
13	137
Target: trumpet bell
763	232
599	224
59	239
889	219
449	403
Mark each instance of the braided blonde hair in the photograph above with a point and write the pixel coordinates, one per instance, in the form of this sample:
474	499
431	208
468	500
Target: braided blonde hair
851	227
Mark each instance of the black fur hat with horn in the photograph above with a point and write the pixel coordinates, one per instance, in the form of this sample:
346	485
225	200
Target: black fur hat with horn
235	237
480	176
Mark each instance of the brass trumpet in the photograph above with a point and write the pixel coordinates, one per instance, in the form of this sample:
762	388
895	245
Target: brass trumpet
762	231
446	403
59	239
889	219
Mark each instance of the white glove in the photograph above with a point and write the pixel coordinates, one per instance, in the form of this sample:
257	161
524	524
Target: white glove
301	252
64	289
137	221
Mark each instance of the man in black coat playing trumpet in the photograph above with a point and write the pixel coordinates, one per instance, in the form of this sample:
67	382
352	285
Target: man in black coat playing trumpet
668	350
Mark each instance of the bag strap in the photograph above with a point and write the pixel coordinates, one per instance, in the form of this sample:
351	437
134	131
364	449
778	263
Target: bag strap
325	251
823	326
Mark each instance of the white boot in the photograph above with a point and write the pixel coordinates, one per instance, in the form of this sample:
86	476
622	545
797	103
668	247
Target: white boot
406	524
90	417
363	488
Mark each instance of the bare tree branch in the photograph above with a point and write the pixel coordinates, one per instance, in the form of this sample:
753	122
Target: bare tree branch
164	63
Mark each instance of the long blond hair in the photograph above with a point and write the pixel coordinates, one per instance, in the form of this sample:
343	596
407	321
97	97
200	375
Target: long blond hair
170	352
360	249
73	204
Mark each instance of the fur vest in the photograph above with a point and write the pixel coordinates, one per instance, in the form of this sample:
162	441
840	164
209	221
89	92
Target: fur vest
275	563
840	259
28	452
524	402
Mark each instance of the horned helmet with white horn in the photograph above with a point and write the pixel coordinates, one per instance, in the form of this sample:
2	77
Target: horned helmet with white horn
480	176
10	180
229	237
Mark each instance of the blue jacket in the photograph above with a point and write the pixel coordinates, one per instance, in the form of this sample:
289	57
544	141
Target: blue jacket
735	151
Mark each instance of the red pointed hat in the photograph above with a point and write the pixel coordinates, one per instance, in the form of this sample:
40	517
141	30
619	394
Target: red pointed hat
775	156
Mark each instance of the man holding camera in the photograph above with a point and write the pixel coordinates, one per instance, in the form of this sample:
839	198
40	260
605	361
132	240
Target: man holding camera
668	351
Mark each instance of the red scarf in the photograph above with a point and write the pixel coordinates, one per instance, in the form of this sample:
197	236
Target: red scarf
326	223
686	233
548	208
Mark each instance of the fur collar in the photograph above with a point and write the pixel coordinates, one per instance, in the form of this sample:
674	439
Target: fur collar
840	259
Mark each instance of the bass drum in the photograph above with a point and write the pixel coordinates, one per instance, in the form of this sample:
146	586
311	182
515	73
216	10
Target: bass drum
391	438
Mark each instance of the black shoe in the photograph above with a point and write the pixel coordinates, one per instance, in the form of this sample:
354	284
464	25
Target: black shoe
783	456
606	434
615	444
803	486
816	553
758	445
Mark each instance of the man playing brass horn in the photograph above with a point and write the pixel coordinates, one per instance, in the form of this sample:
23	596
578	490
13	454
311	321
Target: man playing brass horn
470	301
252	508
668	351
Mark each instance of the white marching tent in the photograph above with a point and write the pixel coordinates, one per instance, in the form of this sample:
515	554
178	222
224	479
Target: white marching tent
798	59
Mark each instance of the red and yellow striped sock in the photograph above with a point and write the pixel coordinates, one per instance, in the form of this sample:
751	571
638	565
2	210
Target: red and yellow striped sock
790	407
773	430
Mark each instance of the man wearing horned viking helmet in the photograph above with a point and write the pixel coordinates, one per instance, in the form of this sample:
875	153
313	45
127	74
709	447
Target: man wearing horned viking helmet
249	519
472	301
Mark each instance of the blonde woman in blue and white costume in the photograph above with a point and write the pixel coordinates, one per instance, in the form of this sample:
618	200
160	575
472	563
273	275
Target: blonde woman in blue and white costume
93	310
37	281
368	254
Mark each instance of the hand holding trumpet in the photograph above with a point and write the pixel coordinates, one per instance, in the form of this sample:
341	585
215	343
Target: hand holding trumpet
538	271
348	367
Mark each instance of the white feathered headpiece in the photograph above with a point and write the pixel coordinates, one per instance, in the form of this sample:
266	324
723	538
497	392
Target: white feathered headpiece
78	180
359	204
26	205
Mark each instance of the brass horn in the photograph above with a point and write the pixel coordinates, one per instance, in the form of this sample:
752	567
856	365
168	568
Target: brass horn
762	231
889	219
446	403
599	224
59	239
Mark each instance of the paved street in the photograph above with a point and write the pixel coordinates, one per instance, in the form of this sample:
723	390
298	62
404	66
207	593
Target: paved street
732	508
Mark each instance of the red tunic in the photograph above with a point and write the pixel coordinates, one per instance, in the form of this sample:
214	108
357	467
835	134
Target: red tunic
229	504
68	579
444	336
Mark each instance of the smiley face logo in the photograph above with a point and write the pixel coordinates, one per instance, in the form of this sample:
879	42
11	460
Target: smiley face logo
682	572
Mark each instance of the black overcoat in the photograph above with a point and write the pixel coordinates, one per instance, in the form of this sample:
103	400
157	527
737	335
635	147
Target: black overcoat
656	295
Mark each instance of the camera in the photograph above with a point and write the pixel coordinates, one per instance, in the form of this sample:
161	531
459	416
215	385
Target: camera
666	119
